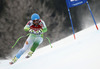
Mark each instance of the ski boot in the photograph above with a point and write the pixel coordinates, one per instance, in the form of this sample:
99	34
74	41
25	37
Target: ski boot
13	60
29	54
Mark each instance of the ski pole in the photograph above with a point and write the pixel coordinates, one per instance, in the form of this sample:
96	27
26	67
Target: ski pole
49	41
19	39
26	36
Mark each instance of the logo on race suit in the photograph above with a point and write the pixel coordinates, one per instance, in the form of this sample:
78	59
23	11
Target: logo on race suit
36	28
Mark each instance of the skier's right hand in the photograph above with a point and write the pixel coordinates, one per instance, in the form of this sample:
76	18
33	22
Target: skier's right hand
31	31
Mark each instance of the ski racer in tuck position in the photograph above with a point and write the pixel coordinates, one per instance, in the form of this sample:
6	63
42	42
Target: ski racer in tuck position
36	27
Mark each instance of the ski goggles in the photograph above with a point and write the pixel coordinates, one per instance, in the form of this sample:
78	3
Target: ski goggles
36	21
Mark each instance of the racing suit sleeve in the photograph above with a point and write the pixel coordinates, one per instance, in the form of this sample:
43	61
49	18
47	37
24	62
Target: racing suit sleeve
27	26
44	28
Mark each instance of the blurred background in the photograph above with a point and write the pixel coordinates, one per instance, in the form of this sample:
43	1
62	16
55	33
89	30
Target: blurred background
14	14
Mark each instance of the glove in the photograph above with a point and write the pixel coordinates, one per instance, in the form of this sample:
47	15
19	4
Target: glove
39	32
31	31
36	32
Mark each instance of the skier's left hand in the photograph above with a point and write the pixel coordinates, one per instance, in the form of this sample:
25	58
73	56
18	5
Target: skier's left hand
39	32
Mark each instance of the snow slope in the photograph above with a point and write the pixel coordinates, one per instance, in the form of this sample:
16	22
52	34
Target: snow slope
82	53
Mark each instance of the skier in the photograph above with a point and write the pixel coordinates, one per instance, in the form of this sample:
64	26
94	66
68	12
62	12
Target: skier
36	28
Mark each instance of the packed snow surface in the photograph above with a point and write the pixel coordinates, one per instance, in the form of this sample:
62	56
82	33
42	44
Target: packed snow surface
67	53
